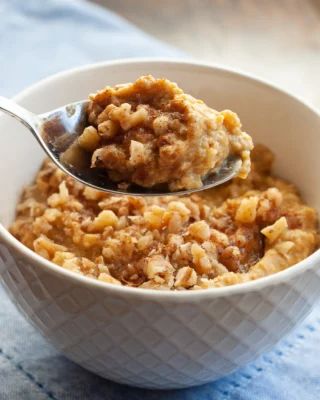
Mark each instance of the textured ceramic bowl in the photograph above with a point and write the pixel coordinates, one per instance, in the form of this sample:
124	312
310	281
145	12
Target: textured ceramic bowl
162	339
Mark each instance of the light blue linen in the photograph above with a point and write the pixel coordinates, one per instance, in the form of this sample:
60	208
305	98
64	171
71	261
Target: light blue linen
41	37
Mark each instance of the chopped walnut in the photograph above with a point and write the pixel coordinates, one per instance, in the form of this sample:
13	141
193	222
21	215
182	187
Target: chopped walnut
274	231
186	278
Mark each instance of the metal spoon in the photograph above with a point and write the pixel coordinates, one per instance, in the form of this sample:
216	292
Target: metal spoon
57	132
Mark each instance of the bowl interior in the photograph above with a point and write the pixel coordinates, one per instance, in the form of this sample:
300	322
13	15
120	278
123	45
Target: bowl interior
287	126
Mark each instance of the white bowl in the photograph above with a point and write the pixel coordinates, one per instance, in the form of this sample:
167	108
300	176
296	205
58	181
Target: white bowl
148	338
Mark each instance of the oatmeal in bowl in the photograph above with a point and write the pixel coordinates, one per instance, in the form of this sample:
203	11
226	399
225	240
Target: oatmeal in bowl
241	231
151	133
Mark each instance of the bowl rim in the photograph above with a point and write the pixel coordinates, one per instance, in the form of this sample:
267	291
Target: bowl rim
154	294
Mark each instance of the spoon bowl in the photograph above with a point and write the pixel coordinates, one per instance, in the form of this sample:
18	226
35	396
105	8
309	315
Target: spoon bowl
57	132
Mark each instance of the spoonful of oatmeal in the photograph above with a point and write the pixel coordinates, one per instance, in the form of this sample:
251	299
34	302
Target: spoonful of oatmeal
142	138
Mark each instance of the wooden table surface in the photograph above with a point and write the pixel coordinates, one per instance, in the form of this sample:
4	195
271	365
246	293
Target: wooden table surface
275	39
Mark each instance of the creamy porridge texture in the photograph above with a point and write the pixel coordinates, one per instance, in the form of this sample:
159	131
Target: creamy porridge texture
241	231
150	133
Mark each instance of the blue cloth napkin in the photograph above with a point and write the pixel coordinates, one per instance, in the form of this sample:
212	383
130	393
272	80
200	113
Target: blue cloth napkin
40	37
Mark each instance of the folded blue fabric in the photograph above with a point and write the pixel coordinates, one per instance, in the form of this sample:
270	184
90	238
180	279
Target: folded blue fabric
38	38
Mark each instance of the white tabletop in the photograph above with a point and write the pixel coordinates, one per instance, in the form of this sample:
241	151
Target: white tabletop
276	39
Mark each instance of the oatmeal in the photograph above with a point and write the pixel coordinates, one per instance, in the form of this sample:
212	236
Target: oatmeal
150	133
241	231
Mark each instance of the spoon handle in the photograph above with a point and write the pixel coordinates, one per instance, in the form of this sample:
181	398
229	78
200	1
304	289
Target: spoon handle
21	114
